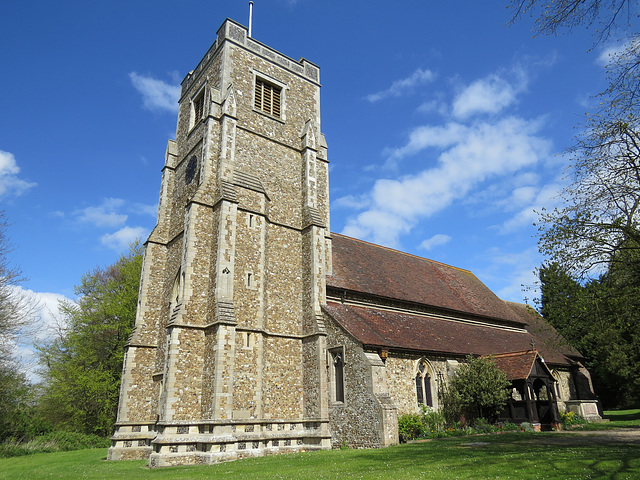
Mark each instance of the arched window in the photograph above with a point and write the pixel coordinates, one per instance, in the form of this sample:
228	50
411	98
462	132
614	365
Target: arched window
336	374
423	385
176	293
541	390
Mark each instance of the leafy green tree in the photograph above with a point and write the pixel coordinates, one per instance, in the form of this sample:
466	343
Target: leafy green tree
479	389
83	367
600	215
14	390
16	314
599	224
20	419
16	307
601	318
590	284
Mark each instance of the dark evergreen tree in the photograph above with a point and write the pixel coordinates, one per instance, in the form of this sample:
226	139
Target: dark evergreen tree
601	318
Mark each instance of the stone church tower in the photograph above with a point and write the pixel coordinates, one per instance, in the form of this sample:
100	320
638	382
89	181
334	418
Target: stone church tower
227	358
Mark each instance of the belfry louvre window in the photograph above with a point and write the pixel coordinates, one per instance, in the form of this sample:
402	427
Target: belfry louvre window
198	107
268	98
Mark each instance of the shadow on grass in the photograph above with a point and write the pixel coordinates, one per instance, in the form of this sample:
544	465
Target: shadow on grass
623	416
525	456
508	456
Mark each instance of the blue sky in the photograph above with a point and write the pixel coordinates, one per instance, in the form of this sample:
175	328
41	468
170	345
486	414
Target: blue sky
443	124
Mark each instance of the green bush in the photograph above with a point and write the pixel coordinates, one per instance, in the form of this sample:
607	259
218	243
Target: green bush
510	427
451	405
527	427
429	423
434	421
410	426
570	419
482	425
13	450
74	441
479	389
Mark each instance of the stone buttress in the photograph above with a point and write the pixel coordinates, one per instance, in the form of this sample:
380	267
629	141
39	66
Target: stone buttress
227	358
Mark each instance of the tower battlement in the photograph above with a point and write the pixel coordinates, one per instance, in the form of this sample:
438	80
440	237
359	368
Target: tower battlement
238	34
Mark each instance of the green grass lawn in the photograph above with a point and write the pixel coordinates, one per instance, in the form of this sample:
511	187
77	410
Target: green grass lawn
522	456
617	419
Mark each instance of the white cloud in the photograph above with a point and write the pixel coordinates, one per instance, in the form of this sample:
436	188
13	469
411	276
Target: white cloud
608	54
428	136
10	184
520	196
50	320
382	227
435	241
521	279
104	215
121	239
46	324
491	94
403	86
112	212
433	106
157	95
615	51
534	201
469	155
352	202
142	209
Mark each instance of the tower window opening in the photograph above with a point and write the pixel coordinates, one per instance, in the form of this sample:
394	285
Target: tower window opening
198	108
268	98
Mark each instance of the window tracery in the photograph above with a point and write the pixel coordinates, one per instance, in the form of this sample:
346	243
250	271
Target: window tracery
424	390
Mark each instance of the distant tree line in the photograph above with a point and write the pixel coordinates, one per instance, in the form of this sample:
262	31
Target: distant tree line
17	399
81	366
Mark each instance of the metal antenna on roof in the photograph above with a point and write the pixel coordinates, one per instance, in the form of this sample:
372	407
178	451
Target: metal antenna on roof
250	18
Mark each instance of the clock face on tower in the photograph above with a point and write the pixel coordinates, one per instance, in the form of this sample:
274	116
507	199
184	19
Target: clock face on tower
192	169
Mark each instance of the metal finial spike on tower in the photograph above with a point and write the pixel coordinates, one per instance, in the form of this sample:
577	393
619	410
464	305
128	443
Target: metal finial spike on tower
250	18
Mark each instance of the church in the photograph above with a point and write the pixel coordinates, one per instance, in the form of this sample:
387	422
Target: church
259	331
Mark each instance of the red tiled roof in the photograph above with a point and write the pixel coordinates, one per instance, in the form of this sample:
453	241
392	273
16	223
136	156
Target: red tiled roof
370	269
516	365
367	268
377	327
549	343
405	331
